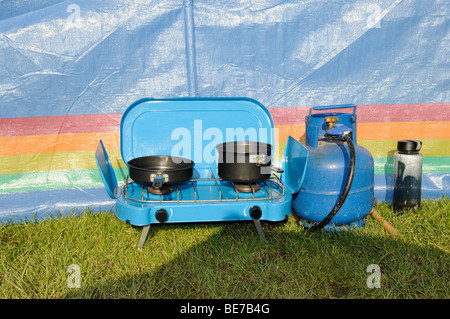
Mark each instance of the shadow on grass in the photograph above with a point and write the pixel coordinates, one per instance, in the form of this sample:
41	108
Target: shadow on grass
232	263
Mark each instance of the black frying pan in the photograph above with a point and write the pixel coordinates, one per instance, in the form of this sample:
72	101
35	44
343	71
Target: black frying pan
158	170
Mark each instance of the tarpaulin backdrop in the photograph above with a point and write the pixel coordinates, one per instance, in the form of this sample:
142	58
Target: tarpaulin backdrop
69	69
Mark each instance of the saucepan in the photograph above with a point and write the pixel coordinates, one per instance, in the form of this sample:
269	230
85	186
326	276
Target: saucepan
245	161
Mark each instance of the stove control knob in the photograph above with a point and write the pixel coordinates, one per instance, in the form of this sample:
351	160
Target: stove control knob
161	215
255	212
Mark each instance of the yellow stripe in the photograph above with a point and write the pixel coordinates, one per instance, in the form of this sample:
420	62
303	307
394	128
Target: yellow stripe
54	161
387	148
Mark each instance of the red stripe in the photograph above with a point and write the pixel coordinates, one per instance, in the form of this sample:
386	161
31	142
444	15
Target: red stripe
427	112
44	125
92	123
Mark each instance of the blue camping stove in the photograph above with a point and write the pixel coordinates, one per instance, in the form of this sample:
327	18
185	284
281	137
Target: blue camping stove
192	127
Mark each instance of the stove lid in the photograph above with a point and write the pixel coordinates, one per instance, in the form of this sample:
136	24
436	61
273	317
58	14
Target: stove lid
192	127
295	162
106	170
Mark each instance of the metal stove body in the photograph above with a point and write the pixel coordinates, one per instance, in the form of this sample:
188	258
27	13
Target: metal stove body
193	127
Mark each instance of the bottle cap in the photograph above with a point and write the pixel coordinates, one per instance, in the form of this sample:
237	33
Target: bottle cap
409	146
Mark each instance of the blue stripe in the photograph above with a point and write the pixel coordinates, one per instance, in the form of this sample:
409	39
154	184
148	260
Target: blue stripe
36	205
433	186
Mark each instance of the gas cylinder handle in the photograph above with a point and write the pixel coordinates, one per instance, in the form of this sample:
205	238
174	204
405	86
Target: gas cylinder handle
331	107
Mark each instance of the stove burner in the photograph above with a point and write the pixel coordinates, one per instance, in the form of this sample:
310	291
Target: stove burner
164	190
247	187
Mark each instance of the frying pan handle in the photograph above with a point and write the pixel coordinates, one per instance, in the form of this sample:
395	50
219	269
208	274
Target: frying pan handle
158	180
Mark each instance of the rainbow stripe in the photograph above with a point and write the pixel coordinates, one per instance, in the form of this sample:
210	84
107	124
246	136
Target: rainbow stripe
57	152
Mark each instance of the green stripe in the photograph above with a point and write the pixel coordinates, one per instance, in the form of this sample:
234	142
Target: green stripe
56	180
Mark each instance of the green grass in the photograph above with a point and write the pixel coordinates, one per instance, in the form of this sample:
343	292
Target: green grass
226	260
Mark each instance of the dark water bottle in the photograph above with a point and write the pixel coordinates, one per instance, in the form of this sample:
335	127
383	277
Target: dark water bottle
407	175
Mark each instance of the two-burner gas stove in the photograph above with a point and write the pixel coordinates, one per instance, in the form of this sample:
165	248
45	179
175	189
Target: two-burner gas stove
192	127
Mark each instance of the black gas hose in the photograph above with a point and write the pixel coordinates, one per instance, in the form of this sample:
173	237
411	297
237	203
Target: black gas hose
347	138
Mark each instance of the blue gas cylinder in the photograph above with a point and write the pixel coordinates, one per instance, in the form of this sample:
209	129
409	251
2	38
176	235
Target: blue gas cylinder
327	171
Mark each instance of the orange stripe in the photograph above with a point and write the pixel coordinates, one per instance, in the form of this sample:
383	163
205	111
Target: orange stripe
296	131
36	144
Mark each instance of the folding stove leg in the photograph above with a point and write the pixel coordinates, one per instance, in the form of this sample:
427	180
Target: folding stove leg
143	237
260	231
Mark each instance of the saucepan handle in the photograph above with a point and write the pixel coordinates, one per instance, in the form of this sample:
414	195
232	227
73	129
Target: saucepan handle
277	169
273	168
